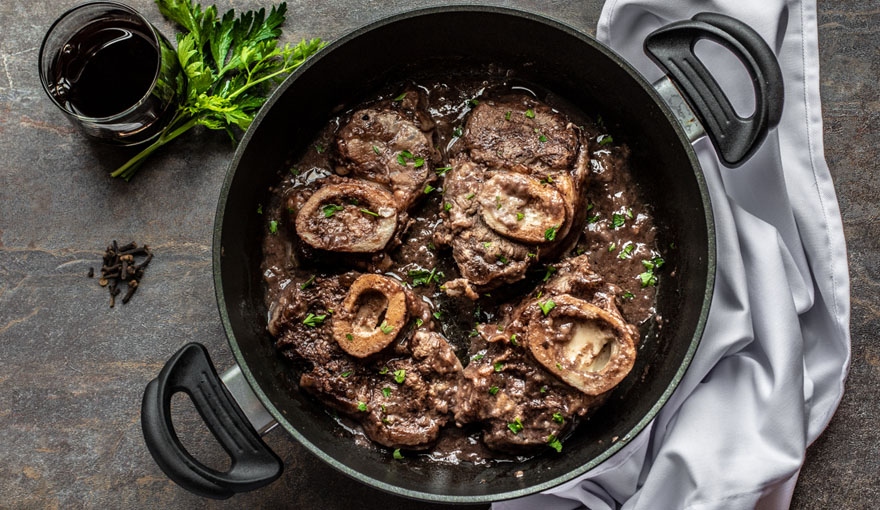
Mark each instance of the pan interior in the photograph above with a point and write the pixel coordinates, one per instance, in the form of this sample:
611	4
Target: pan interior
572	66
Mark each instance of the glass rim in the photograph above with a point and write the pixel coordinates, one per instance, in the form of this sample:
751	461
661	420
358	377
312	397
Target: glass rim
156	40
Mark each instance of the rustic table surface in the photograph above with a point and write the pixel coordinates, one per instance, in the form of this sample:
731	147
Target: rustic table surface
73	370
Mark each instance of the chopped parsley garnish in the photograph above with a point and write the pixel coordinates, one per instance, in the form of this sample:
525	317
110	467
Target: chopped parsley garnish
259	208
542	138
605	140
443	169
617	220
612	247
628	295
371	213
457	132
477	357
593	219
386	392
447	206
307	283
498	202
313	320
386	328
469	196
554	442
550	233
473	102
546	306
549	273
400	97
648	279
557	417
494	390
513	339
428	189
507	115
362	407
503	259
319	148
273	226
349	337
330	209
399	376
425	277
498	366
376	150
437	315
345	374
516	426
397	455
520	216
419	322
626	251
473	333
383	371
530	113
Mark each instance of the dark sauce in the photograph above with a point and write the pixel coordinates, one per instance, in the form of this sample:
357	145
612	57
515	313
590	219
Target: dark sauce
105	69
619	217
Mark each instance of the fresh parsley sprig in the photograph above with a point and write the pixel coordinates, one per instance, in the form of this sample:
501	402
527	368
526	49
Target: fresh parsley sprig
227	67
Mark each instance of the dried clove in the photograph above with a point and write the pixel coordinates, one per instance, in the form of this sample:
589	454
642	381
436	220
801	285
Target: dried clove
120	265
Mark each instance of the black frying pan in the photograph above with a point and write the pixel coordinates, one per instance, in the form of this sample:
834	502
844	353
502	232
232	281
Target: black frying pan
558	58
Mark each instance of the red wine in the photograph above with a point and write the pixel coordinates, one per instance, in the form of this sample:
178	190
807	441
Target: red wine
105	69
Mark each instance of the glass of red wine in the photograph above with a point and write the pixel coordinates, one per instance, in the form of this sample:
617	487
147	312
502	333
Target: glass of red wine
111	72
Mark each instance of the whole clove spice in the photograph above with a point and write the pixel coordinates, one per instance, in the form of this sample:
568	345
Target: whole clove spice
122	268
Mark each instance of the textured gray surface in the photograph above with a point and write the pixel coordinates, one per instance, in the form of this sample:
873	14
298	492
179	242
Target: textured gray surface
72	370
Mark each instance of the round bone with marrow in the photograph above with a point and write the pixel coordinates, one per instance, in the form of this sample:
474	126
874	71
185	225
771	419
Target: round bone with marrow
372	315
586	346
349	216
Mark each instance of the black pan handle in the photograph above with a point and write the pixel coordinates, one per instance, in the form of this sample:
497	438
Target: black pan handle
734	137
253	464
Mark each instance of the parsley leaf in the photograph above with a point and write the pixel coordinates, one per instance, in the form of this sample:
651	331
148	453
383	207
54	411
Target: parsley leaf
227	67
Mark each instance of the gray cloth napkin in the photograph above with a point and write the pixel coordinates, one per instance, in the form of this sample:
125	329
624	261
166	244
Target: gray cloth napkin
769	372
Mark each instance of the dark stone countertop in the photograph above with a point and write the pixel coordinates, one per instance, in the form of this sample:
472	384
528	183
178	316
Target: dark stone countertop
72	370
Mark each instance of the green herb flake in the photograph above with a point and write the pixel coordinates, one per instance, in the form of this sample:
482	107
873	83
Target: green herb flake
319	148
543	389
504	260
331	209
648	279
530	113
546	306
429	188
513	340
516	426
349	337
306	284
419	322
442	170
549	273
313	320
473	102
386	392
628	295
259	208
612	247
273	226
469	196
558	418
362	407
507	115
437	315
550	233
399	376
386	328
397	455
494	390
593	219
477	357
345	374
617	220
520	216
457	132
498	366
383	371
424	276
400	97
605	140
626	251
542	138
447	206
377	150
555	443
371	213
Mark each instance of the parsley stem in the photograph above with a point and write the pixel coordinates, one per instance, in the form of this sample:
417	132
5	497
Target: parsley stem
127	170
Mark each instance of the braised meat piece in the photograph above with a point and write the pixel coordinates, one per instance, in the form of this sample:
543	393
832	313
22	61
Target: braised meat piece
367	358
515	192
557	358
392	144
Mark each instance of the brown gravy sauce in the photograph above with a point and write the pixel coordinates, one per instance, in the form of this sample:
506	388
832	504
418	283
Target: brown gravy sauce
618	236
